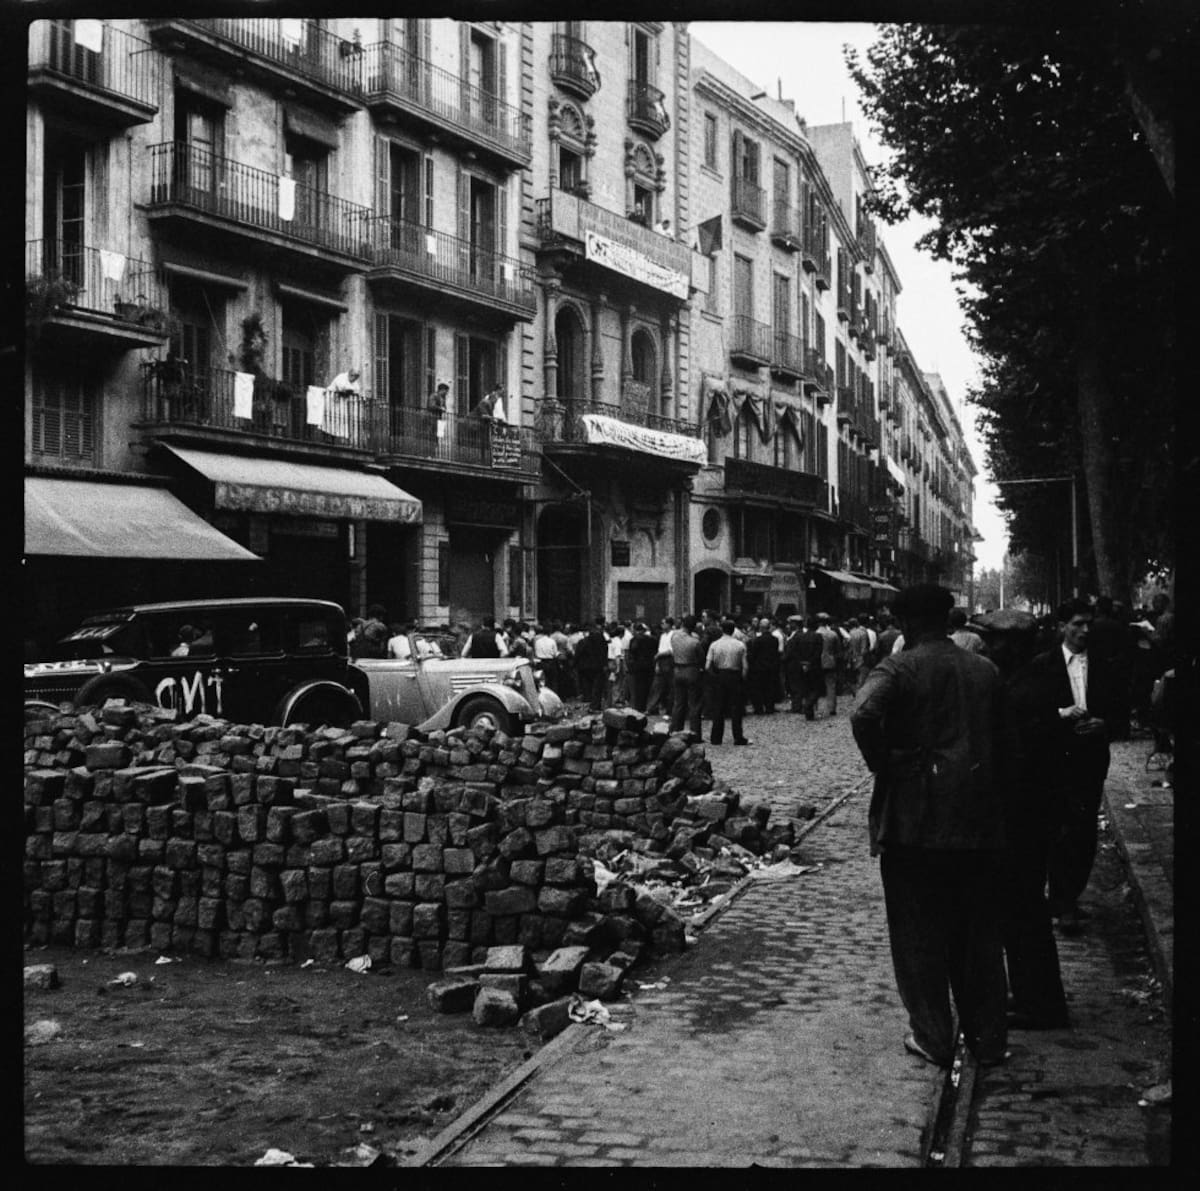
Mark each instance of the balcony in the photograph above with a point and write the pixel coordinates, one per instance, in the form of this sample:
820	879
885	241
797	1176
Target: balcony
748	204
419	439
824	271
814	369
108	90
853	510
646	110
843	303
297	57
810	251
785	226
885	396
192	186
573	66
564	428
750	342
445	105
787	356
182	402
408	256
75	293
845	405
632	251
799	489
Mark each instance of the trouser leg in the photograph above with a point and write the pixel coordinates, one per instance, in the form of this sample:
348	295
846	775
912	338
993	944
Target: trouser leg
1031	956
737	702
917	932
1073	849
719	708
831	691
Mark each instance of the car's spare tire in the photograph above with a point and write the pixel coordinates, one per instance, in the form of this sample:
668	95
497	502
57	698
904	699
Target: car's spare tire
482	711
325	704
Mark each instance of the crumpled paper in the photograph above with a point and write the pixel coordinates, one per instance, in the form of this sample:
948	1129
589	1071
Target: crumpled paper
782	871
360	963
125	979
592	1013
274	1157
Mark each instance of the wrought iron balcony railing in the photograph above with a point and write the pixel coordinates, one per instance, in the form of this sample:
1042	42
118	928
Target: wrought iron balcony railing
845	404
749	202
750	341
573	65
746	478
299	45
563	422
123	66
98	281
191	177
178	394
646	109
787	354
395	75
455	438
442	259
785	225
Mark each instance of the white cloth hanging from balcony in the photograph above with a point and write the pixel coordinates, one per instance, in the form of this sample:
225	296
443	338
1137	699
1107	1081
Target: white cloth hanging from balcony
337	414
287	198
112	265
431	244
291	29
315	414
243	394
89	35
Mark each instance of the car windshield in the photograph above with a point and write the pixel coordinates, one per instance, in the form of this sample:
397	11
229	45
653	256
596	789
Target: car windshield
100	638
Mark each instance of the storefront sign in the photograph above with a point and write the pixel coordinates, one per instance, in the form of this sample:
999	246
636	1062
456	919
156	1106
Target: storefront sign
623	259
881	525
506	446
611	431
466	510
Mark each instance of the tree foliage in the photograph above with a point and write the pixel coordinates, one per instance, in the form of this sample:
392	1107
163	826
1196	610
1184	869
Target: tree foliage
1022	147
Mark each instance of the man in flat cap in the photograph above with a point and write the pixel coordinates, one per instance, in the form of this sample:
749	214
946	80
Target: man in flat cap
929	722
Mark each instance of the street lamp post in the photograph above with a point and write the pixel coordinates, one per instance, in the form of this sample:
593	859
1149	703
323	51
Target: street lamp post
1074	518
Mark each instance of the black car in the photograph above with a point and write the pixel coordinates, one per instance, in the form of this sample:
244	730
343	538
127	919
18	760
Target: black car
266	661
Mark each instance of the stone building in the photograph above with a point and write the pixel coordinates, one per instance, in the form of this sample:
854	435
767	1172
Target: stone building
274	265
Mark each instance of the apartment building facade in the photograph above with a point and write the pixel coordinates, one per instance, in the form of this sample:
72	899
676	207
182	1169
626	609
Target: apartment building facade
273	265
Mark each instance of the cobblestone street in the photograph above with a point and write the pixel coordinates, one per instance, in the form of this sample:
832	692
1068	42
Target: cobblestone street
776	1039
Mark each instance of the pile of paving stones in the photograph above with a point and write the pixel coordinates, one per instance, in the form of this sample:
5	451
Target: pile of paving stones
432	850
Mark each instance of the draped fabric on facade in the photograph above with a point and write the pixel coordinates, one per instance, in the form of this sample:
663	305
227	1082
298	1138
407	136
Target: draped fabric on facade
717	411
786	414
762	410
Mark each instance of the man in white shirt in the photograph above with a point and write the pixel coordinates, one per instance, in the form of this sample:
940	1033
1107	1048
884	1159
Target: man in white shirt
545	655
664	672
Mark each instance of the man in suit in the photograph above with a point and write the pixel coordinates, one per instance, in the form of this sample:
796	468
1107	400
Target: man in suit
762	660
802	665
1070	708
928	722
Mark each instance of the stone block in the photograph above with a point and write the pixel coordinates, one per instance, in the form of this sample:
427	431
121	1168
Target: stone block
600	981
400	918
41	976
555	839
527	872
559	971
427	920
495	1008
547	1021
375	915
506	959
430	887
561	903
513	983
516	899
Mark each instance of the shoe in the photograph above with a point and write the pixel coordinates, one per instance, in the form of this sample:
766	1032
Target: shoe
915	1048
741	742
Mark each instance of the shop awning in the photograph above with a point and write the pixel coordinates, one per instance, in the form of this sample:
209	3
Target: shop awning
853	587
91	519
300	489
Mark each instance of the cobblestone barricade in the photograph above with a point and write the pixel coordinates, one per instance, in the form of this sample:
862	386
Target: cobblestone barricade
283	843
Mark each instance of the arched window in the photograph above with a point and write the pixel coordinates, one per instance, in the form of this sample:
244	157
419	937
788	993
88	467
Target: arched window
645	180
568	335
572	145
643	395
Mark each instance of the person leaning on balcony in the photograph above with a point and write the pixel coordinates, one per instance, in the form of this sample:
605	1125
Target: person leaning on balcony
487	404
439	399
346	383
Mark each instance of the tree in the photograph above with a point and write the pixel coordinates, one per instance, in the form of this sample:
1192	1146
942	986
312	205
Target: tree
1021	146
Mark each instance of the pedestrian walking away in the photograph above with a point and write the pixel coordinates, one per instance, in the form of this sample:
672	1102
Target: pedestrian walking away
802	666
762	660
687	658
831	659
726	662
928	722
639	662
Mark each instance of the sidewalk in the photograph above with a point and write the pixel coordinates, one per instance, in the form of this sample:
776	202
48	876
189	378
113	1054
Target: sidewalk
1142	820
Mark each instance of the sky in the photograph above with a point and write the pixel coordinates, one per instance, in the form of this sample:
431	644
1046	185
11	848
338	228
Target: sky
806	56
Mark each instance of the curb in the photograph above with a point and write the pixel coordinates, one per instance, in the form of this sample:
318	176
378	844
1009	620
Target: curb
463	1128
1126	832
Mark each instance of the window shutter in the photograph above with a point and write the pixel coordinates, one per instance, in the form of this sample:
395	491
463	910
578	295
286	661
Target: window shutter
380	346
383	176
426	39
502	231
752	171
502	378
736	171
502	72
428	191
462	374
464	74
430	359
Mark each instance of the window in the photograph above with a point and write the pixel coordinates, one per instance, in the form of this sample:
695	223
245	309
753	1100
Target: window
646	179
819	334
480	364
711	303
746	163
199	129
643	205
405	361
743	287
642	49
569	337
64	207
570	170
66	411
710	140
199	312
743	432
781	306
572	145
308	163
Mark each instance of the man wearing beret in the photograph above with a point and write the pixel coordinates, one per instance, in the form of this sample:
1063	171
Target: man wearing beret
928	722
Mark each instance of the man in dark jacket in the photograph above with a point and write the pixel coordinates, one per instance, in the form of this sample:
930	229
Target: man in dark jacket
762	660
639	664
929	724
1070	708
802	666
591	664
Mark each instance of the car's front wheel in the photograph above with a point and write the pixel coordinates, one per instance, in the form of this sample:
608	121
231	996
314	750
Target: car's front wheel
484	712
